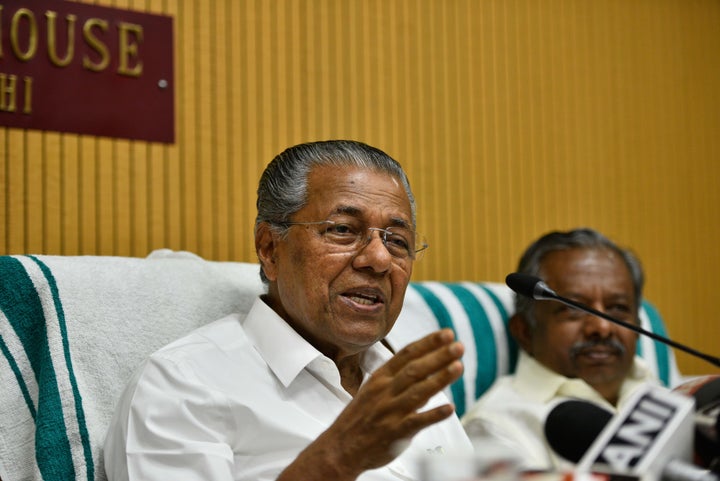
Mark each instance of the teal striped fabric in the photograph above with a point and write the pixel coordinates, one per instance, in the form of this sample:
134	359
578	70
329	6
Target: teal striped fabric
658	353
72	331
478	313
27	317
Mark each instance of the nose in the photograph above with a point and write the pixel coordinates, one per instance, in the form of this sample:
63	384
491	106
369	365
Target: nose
595	326
373	253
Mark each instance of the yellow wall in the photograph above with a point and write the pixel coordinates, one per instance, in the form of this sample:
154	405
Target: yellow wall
511	117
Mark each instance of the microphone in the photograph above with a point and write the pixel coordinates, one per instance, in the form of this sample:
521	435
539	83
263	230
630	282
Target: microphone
534	288
586	422
706	392
651	438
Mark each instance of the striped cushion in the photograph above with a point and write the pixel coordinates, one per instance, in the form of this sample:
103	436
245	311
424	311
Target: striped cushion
73	329
478	312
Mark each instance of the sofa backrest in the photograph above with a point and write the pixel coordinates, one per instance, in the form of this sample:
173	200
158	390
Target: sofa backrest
73	329
478	312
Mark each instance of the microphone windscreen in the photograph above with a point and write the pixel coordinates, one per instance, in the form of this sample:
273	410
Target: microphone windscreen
523	284
572	426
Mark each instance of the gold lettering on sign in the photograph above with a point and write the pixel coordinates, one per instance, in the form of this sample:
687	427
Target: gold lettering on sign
64	50
96	44
7	92
52	39
33	35
128	49
27	109
25	37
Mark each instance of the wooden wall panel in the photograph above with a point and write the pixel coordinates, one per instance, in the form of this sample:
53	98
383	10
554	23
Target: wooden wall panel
511	117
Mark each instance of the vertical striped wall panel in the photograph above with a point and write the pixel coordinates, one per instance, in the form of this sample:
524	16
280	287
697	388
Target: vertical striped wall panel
511	117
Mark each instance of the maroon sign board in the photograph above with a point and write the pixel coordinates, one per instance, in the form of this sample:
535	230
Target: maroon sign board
74	67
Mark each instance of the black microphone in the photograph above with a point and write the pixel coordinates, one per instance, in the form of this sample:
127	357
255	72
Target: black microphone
586	421
706	392
650	438
534	288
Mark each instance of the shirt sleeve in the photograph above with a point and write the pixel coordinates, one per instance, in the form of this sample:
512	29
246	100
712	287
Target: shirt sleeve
169	425
514	437
514	422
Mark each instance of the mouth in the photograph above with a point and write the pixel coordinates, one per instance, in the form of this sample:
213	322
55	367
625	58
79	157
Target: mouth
365	297
599	355
598	352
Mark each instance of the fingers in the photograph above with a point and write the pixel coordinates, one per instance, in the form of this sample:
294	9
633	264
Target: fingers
419	420
387	408
414	391
420	348
432	361
432	371
418	372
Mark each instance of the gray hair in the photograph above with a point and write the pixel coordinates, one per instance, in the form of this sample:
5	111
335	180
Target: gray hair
282	190
583	238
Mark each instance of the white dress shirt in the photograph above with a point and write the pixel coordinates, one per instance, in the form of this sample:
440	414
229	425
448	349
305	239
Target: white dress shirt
514	409
239	399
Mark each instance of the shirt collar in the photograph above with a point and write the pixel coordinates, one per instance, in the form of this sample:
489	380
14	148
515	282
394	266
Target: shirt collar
286	352
537	382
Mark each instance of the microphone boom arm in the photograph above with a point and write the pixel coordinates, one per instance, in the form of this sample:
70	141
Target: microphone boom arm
533	287
549	294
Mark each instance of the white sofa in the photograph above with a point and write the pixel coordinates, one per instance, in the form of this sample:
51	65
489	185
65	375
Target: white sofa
72	329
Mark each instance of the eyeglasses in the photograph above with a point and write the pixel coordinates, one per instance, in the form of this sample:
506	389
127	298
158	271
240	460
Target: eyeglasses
400	242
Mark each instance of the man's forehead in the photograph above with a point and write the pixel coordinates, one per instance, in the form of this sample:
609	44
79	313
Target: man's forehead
581	258
577	267
359	192
391	218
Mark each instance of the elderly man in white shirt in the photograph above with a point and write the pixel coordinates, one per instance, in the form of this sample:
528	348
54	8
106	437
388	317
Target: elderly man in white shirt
303	387
566	353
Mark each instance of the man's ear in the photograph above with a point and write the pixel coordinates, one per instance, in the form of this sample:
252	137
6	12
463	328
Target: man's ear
522	331
265	246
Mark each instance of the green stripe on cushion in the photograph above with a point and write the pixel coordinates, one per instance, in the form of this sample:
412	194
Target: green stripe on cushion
13	273
484	337
23	309
511	343
444	320
661	350
79	411
16	371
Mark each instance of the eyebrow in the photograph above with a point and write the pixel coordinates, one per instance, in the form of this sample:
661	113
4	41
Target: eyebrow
357	212
612	296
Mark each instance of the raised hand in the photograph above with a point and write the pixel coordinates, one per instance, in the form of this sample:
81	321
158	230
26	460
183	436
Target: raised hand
385	413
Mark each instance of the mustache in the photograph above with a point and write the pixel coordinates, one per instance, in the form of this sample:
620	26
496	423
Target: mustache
612	344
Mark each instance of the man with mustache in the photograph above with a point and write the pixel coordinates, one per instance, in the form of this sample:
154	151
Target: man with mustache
564	351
